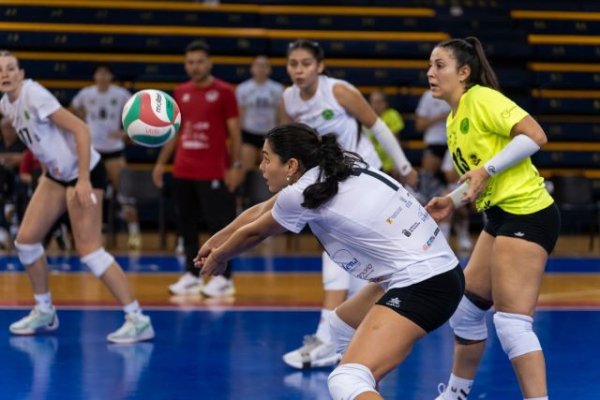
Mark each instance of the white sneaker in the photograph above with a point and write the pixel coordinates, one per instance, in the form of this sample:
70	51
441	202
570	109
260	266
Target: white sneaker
314	353
36	322
452	394
187	284
219	286
137	328
441	390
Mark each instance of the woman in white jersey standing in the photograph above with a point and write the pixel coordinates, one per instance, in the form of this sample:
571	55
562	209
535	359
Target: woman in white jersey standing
333	106
100	106
390	240
74	183
491	140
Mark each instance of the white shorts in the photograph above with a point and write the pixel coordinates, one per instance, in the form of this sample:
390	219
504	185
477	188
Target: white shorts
335	278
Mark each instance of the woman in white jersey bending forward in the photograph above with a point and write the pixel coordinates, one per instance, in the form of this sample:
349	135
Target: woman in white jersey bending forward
390	240
73	182
333	106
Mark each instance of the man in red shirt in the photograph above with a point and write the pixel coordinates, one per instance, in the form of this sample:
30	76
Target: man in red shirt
206	167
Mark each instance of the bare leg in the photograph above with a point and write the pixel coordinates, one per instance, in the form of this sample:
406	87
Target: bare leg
45	207
86	223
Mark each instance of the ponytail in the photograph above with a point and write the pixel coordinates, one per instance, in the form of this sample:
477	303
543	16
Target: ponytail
487	76
304	143
336	166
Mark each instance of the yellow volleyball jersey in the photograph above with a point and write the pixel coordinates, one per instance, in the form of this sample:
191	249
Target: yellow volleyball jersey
478	131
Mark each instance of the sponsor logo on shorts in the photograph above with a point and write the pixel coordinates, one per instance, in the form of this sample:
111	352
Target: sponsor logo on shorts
394	302
519	234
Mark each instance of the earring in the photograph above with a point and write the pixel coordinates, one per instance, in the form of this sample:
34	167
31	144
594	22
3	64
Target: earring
287	178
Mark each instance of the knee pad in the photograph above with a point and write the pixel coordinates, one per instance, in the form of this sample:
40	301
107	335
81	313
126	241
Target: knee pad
98	261
347	381
516	335
341	333
29	253
468	321
334	277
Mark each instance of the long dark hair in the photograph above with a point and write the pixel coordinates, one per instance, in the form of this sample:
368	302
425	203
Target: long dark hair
304	143
469	51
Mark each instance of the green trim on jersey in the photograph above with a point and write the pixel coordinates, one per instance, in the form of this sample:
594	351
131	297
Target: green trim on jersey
478	131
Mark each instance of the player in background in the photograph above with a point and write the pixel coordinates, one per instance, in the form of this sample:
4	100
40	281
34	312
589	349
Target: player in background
100	106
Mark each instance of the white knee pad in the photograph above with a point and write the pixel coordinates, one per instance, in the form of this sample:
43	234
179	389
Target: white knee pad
341	333
98	261
468	321
516	335
29	253
334	277
347	381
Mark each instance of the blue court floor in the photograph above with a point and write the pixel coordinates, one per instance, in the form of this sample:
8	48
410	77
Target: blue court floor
236	354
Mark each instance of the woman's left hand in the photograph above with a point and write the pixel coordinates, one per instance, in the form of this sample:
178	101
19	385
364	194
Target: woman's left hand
478	179
85	193
210	266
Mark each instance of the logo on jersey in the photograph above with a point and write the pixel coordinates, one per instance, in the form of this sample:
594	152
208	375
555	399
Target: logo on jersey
26	114
212	96
185	98
506	113
364	274
391	218
345	260
113	101
327	114
429	241
409	231
422	214
464	126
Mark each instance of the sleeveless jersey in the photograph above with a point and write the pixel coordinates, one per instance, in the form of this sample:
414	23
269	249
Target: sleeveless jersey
323	113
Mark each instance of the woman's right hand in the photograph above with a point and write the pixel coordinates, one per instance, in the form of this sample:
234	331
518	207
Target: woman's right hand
440	208
157	175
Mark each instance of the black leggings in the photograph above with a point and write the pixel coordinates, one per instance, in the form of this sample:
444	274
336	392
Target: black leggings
207	202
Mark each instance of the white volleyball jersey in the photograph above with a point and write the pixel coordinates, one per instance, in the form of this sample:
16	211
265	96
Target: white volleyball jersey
430	107
323	113
373	228
260	102
103	114
52	146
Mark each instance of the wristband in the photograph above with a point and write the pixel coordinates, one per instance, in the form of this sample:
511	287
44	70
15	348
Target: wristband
458	194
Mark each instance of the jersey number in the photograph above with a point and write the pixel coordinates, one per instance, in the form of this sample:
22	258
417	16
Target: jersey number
25	136
459	162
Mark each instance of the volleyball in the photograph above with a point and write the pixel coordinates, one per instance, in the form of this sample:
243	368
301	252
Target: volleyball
151	117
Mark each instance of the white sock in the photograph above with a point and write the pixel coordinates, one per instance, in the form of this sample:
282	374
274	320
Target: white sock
134	228
537	398
323	331
132	308
44	302
458	388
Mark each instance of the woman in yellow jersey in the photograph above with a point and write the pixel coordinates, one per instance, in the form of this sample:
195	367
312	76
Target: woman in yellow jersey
491	140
